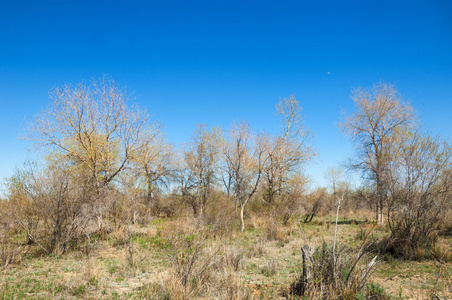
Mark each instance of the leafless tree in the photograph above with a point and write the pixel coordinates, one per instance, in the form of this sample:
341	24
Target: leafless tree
244	156
333	175
155	163
287	151
94	126
380	118
200	164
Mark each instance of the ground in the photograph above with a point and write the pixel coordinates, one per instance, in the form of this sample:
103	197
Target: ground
258	263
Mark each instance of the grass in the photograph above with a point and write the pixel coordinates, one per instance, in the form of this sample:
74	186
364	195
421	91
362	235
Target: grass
248	264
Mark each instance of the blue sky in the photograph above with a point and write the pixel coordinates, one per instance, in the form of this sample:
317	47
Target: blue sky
217	61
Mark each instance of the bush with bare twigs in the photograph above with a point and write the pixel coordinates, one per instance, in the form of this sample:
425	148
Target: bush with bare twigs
48	207
197	269
10	251
336	271
340	274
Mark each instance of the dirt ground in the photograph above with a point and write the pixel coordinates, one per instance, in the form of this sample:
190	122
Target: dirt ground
116	268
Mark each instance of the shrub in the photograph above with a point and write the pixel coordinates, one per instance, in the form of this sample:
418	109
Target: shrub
269	269
198	270
329	274
10	251
191	264
419	187
275	231
49	206
220	215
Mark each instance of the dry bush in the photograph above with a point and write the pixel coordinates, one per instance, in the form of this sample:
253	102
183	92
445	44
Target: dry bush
220	215
181	204
365	231
181	225
285	207
58	209
233	258
337	271
442	252
155	290
269	268
227	283
130	206
258	247
293	201
275	231
136	206
339	274
207	273
197	269
445	226
161	206
190	262
119	237
420	194
315	203
10	251
257	220
429	247
443	286
49	207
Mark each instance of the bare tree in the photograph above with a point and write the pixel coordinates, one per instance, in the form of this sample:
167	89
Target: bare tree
155	163
201	162
334	175
244	156
289	150
94	126
381	117
420	185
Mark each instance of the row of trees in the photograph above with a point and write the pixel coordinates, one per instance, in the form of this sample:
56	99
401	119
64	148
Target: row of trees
99	148
105	155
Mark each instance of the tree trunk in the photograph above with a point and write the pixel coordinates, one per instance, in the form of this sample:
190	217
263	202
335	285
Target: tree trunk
201	210
149	194
380	213
300	286
379	204
242	222
195	209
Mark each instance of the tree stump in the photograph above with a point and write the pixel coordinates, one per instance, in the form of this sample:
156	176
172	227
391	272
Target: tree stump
300	286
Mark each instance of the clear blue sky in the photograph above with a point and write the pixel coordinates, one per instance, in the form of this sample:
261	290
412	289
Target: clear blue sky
216	61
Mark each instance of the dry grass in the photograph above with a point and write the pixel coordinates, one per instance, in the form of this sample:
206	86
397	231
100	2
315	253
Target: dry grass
228	265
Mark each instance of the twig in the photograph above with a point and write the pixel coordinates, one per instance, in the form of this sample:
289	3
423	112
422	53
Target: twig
130	245
360	255
335	234
437	278
389	278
